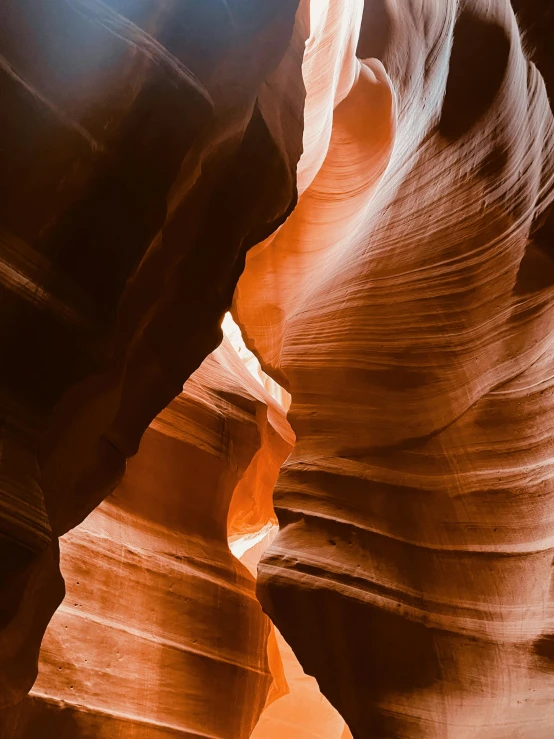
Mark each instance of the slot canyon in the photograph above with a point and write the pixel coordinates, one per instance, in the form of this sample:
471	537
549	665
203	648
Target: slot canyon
277	369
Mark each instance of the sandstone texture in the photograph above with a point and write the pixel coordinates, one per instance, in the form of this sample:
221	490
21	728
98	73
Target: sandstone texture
160	633
407	305
368	187
141	156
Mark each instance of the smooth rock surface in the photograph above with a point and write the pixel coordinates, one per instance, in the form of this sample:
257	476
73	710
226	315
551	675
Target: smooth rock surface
407	304
142	154
150	150
301	711
160	633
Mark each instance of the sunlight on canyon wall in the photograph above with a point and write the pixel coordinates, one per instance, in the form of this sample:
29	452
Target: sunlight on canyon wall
277	310
301	711
407	305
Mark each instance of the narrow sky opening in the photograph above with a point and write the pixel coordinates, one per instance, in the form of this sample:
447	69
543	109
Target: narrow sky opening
233	333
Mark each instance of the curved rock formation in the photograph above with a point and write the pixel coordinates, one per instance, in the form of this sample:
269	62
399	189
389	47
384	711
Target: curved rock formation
300	710
160	634
303	713
142	154
408	305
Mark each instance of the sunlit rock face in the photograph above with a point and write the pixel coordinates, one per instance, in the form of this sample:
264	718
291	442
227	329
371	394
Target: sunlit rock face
407	305
142	154
160	633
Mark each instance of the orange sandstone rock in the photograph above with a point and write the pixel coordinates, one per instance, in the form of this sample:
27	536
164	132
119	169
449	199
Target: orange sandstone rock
407	304
160	633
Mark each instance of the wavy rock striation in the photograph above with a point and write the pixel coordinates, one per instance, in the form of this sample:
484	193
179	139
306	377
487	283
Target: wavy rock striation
160	634
300	710
142	154
408	305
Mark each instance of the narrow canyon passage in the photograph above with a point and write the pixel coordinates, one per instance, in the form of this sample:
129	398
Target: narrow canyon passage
295	705
276	371
160	633
156	611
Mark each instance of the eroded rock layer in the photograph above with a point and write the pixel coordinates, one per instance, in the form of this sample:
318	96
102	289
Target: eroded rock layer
160	633
142	154
303	713
408	305
300	711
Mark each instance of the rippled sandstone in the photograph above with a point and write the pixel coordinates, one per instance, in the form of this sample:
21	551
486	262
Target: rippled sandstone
141	156
160	633
407	304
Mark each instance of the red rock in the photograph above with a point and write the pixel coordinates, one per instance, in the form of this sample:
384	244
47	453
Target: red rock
407	305
152	151
160	632
141	157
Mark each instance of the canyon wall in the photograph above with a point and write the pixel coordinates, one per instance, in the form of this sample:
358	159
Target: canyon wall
160	633
380	177
301	711
142	154
407	304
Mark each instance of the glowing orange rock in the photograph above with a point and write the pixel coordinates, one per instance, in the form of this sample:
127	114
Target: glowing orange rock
407	304
160	631
300	710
